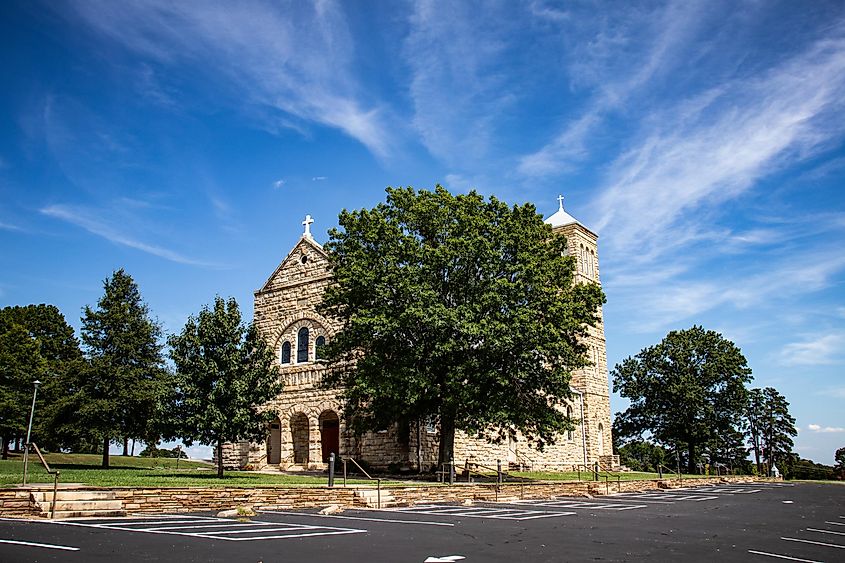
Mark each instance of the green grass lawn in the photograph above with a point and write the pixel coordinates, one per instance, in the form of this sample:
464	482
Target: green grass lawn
146	472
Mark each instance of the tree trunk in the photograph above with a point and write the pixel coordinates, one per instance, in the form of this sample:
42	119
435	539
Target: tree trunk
755	440
446	451
419	446
220	458
125	447
132	453
106	452
5	454
691	459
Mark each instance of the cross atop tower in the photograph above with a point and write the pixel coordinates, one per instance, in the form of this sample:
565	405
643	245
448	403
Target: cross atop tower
560	201
307	224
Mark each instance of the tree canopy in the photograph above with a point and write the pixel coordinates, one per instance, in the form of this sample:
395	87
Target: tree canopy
225	374
770	427
119	395
35	343
459	310
687	392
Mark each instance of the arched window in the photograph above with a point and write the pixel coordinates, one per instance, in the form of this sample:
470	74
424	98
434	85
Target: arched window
319	344
582	262
569	416
286	352
302	345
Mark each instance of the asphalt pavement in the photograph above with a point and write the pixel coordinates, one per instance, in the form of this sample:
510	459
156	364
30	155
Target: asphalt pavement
749	522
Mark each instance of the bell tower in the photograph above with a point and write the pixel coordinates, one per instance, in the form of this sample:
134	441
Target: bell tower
591	382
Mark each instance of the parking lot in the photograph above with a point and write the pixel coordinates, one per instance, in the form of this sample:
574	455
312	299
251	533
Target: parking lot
749	522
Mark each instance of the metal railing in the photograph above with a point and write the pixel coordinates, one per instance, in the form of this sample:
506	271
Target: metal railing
367	475
54	473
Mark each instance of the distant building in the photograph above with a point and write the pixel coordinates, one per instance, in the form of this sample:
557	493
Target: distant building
309	426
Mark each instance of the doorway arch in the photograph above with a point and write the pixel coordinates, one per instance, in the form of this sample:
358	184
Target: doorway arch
300	430
329	434
274	443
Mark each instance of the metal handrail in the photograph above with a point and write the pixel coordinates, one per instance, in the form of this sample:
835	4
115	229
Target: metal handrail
364	471
54	473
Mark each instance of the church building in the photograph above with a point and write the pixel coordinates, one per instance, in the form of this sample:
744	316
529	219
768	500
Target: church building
309	424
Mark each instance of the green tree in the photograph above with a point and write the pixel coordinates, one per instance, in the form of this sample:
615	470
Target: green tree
642	455
769	426
225	373
839	457
20	364
120	394
57	345
685	391
457	310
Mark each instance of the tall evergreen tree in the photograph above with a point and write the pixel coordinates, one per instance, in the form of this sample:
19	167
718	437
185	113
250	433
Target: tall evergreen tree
120	394
685	391
225	374
21	364
457	310
770	427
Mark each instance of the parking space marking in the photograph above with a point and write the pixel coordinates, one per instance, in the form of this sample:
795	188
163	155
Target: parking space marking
481	512
782	556
835	523
577	504
341	517
667	496
825	531
45	545
224	528
815	542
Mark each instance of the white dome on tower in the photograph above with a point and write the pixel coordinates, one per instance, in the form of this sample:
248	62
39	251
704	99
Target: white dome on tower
561	217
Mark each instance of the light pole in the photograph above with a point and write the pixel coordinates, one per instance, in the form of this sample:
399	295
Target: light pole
29	431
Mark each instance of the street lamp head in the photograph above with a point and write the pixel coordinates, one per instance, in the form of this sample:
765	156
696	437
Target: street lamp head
36	383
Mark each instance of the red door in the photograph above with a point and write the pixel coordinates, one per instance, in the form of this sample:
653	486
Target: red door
330	438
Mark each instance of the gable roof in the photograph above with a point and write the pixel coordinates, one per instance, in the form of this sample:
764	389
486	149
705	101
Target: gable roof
290	260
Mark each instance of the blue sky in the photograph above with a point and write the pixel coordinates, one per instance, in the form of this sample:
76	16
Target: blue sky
186	141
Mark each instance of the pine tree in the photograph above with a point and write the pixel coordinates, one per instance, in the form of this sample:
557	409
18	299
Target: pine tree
119	396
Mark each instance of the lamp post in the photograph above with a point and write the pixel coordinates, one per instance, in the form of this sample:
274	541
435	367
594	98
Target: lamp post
29	431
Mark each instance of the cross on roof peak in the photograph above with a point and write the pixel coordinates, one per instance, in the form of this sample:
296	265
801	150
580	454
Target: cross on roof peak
560	201
307	225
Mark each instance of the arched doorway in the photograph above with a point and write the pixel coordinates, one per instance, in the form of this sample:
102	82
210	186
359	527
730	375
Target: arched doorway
274	443
299	430
329	434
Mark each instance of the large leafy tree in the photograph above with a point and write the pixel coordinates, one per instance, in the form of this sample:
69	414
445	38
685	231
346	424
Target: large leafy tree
41	330
769	426
120	393
20	365
455	309
685	391
225	373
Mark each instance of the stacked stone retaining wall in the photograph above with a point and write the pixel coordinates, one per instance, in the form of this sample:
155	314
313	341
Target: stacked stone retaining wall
17	502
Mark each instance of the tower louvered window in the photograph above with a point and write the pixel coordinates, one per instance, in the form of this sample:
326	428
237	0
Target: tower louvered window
286	353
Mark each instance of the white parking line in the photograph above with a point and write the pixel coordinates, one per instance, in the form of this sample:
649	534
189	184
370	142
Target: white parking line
465	512
782	556
825	531
815	542
578	504
45	545
224	528
389	520
835	523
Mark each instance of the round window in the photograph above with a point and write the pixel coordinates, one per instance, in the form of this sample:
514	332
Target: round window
304	259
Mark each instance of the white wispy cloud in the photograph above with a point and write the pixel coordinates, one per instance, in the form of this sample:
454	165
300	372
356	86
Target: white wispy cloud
9	226
690	162
296	60
615	56
819	349
278	184
105	225
458	87
319	178
825	429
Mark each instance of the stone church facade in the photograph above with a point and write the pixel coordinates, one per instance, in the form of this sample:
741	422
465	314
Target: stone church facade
310	426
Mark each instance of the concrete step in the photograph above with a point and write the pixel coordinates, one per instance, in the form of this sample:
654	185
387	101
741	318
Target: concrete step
82	505
47	496
370	497
84	514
